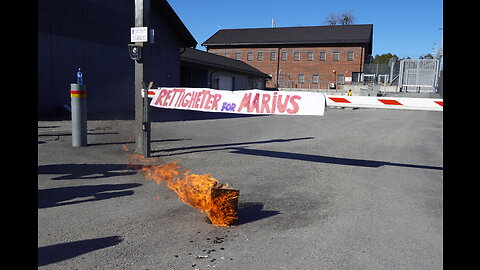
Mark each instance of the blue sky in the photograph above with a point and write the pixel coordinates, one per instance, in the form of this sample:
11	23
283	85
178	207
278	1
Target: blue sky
405	28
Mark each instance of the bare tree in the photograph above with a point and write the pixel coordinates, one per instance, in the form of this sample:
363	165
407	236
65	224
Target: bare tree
345	18
332	19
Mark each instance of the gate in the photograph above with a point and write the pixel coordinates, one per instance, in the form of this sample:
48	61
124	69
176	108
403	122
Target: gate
420	75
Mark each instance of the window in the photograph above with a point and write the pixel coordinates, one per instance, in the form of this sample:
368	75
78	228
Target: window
340	79
284	56
315	78
273	55
238	55
301	78
323	56
249	56
350	56
260	56
336	56
296	56
310	56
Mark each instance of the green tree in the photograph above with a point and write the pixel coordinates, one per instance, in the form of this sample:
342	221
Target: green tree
383	58
426	56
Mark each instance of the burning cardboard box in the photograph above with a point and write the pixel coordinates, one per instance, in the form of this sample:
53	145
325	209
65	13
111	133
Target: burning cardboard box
225	207
202	192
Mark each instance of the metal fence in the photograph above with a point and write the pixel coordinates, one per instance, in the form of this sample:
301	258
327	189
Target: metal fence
375	74
419	75
408	75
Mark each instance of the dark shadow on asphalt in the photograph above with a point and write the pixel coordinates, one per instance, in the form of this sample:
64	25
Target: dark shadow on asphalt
327	159
168	115
60	252
69	134
62	134
57	135
156	115
86	171
49	127
132	142
53	197
252	211
224	146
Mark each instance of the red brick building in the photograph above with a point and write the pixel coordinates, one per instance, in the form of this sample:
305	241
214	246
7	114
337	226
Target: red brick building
299	57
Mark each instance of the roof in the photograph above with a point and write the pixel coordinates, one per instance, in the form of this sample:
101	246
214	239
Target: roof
305	35
197	57
176	22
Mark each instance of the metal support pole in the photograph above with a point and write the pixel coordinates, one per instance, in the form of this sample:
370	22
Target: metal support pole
78	94
139	142
146	121
278	67
142	123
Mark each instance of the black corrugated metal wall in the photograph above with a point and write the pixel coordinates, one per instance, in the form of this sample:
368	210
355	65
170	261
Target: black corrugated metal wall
93	35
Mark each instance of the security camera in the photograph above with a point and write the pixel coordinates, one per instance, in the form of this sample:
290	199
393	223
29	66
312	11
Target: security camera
135	52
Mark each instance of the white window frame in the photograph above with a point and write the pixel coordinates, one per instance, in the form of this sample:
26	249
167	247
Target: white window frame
296	56
273	55
260	56
310	56
336	56
301	78
324	54
350	55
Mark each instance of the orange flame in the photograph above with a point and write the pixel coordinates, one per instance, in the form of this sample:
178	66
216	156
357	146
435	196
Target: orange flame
202	192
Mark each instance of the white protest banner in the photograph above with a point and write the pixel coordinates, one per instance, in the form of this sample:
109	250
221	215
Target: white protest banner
240	101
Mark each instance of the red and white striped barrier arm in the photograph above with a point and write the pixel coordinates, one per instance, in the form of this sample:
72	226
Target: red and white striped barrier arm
425	104
151	92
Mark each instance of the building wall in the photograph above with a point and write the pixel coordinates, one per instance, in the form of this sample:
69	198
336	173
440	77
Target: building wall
87	35
93	35
200	76
224	80
291	68
193	77
162	65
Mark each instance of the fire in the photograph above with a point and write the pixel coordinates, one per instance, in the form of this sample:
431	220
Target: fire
202	192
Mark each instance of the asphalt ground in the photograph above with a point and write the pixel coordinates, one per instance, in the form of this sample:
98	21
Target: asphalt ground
354	189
